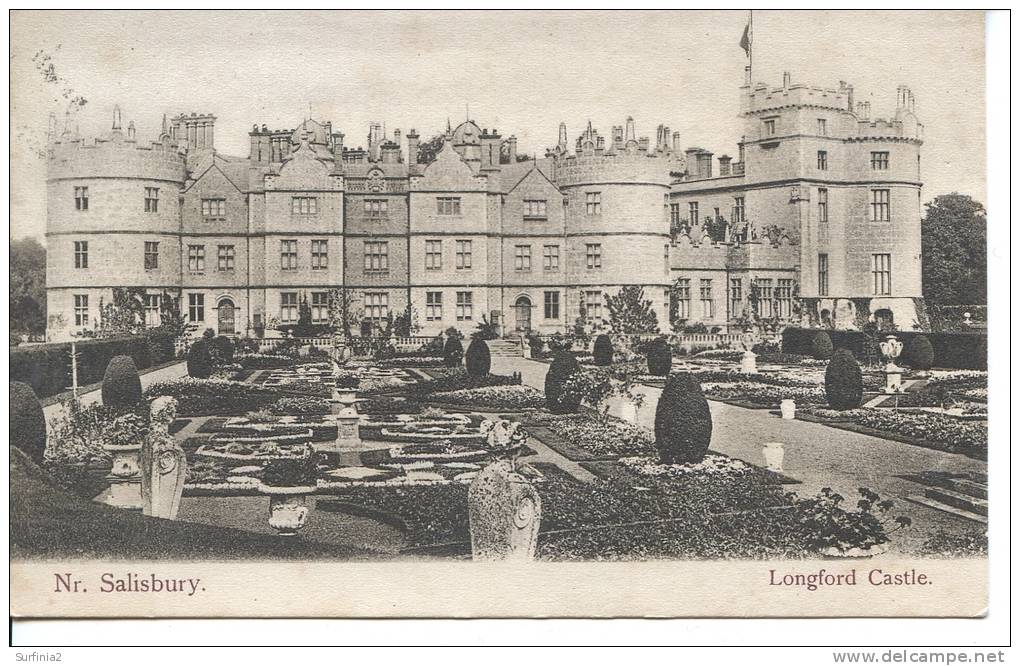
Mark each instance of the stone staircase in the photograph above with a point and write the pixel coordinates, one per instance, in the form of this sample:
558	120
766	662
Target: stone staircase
505	348
962	495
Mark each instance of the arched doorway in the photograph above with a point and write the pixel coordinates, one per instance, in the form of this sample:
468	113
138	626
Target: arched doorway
225	317
522	309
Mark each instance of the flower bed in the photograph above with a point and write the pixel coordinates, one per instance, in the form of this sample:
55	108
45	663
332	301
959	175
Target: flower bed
454	380
497	397
263	361
211	397
711	465
591	437
785	379
763	395
381	406
412	362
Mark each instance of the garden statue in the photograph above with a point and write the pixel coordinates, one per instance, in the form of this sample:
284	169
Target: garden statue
125	477
164	465
891	350
749	360
504	510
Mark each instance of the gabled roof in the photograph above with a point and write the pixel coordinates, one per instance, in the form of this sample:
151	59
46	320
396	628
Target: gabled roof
215	164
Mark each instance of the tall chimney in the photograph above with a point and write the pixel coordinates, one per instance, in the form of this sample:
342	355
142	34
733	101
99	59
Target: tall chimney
631	135
676	142
562	142
412	147
511	148
724	165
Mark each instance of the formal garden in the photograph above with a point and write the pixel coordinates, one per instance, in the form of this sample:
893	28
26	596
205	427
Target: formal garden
606	441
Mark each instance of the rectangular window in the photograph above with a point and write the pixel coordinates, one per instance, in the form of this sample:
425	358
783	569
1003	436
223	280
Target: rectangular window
784	298
707	309
433	305
288	307
465	307
738	210
881	274
151	255
433	255
522	258
320	307
823	275
224	257
377	306
534	209
81	310
152	318
736	297
196	258
81	254
463	248
593	305
81	198
770	126
692	212
683	298
448	205
151	199
822	127
593	203
674	216
823	160
552	305
288	255
880	161
593	255
304	205
823	205
764	289
376	207
551	258
214	209
196	308
377	256
320	255
879	205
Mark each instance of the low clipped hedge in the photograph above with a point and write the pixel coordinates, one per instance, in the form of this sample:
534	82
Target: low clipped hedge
953	350
47	368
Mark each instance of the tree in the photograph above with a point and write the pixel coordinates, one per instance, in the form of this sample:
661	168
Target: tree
343	311
427	150
953	251
630	313
27	294
125	315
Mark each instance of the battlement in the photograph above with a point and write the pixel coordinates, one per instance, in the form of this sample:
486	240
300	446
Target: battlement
627	167
761	98
115	157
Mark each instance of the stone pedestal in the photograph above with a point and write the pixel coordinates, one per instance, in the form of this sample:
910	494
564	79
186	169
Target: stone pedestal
125	478
749	363
893	378
504	512
773	453
163	463
348	435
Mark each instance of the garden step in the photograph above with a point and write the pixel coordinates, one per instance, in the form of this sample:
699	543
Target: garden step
959	500
947	508
971	488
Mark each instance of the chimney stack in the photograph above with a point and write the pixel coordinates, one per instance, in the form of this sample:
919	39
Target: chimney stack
676	142
562	141
786	81
511	148
724	165
412	147
631	134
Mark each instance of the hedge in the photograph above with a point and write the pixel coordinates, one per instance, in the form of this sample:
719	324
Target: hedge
47	368
953	350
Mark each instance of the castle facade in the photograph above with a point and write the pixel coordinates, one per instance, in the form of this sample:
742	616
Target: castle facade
819	214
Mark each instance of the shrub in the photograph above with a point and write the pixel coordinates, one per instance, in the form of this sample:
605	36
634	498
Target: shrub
160	345
821	346
264	361
918	353
957	350
208	334
603	351
660	357
47	368
844	386
122	388
478	359
683	423
453	352
200	363
28	424
562	367
222	349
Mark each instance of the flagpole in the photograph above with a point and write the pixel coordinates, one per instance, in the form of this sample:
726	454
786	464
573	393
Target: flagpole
750	44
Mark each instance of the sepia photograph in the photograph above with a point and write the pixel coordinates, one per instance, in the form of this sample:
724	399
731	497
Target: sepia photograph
405	313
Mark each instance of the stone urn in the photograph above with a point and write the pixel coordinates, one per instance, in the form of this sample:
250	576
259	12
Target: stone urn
773	453
891	348
788	408
288	507
125	451
504	509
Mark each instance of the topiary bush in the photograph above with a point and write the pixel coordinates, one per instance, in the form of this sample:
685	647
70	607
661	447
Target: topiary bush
200	364
844	386
821	346
562	367
660	357
478	360
683	422
28	423
122	388
222	348
603	351
919	353
453	352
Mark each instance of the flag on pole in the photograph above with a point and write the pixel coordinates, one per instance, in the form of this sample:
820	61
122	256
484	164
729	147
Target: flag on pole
745	40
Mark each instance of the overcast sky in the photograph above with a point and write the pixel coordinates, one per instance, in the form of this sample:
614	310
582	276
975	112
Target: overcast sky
521	72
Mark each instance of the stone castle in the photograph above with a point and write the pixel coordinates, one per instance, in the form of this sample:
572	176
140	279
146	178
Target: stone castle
819	213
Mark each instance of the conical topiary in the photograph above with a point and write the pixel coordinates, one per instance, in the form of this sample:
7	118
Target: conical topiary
844	386
122	388
660	357
28	423
477	359
562	367
821	346
918	353
200	363
603	351
453	352
683	422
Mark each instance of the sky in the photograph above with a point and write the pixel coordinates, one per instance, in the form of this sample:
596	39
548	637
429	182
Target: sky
520	72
